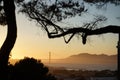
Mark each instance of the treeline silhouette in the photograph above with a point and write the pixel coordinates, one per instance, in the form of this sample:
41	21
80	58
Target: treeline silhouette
29	69
83	74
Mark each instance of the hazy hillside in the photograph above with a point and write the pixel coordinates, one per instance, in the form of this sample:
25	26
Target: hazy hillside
85	58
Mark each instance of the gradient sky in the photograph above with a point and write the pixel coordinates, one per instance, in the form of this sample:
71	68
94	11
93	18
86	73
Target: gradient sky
32	41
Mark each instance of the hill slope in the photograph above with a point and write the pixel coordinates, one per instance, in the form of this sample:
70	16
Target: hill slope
85	58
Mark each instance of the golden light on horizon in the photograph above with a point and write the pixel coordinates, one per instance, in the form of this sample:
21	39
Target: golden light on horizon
63	50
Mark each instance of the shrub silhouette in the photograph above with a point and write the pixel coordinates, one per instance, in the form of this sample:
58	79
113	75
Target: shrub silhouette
31	69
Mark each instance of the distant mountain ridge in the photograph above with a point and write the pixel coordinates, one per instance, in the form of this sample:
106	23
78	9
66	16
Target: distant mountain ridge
83	58
92	55
86	58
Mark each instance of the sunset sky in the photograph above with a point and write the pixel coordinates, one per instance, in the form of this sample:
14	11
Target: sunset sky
32	41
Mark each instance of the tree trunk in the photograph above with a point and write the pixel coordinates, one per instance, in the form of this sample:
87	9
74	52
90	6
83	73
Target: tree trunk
9	42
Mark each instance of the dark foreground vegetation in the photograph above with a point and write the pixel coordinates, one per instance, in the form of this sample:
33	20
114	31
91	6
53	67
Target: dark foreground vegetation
33	69
85	73
29	69
82	74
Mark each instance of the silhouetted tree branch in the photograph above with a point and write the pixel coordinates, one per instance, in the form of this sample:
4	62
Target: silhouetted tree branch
88	32
47	21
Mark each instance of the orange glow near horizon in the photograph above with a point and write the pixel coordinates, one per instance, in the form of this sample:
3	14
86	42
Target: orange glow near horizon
40	50
32	43
39	46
